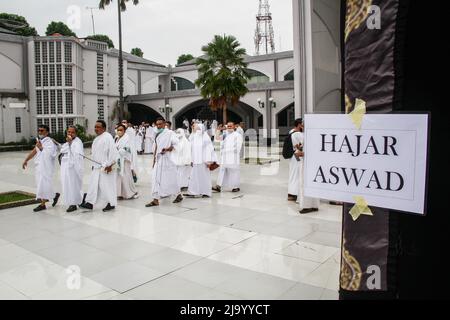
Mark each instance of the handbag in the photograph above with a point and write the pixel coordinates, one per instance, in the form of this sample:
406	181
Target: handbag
213	166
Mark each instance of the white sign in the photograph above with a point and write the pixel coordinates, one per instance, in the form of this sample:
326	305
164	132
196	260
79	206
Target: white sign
385	161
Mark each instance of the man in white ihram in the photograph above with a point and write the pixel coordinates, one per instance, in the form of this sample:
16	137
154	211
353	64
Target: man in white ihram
72	170
44	155
164	173
230	148
102	184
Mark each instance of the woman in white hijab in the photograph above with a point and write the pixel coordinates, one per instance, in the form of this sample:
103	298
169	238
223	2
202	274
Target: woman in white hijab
125	184
182	158
202	156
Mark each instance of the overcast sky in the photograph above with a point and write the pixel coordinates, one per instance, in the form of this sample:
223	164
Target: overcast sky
163	29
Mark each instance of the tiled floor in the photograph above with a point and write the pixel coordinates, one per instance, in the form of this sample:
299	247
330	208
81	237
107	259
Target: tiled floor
250	245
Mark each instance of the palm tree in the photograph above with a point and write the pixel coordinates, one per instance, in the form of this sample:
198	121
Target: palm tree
223	73
121	6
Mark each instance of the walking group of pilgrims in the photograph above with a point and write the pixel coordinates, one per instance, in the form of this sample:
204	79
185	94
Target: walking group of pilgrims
181	161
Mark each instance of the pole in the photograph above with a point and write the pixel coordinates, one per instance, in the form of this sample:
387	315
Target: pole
93	25
121	113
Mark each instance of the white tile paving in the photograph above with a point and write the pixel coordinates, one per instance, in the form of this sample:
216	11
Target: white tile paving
249	245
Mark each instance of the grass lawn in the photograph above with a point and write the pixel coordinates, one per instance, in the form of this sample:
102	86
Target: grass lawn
13	196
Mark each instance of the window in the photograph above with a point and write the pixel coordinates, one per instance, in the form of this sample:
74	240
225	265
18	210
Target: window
99	71
69	102
51	51
67	52
46	121
38	101
39	122
45	75
59	75
289	76
38	76
52	102
59	102
44	52
69	122
52	75
37	52
58	52
61	125
53	125
68	75
18	125
45	102
101	109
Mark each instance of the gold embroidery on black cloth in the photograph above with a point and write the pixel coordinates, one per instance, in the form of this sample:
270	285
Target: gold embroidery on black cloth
357	13
351	274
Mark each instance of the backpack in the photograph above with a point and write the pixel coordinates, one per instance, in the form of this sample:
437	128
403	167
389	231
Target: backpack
288	147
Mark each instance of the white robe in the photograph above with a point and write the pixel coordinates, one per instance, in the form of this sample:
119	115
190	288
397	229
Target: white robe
183	159
164	173
44	169
102	186
149	140
294	166
202	154
125	183
138	140
229	171
72	167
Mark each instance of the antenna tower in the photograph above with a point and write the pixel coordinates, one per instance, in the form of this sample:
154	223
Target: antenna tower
264	35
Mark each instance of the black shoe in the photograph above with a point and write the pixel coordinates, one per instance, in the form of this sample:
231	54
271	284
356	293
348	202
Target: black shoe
86	205
40	208
84	198
55	200
108	208
71	209
178	199
154	203
236	190
217	189
309	210
205	196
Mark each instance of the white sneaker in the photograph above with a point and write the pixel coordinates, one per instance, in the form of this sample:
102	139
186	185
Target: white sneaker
135	196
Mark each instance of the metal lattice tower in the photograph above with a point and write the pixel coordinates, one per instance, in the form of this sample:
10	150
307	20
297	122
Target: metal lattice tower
264	35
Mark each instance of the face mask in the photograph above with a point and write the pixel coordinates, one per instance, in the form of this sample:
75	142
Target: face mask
230	130
160	130
41	137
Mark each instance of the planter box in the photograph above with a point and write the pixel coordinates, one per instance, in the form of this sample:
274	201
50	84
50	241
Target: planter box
19	203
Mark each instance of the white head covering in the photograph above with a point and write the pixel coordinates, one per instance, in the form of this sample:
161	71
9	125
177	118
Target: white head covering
201	146
182	152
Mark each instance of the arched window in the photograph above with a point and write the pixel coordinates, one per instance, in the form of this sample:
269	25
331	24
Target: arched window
257	77
289	76
177	84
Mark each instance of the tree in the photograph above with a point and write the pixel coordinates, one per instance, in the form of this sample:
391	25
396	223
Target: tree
223	73
17	24
184	58
102	37
121	6
59	27
137	52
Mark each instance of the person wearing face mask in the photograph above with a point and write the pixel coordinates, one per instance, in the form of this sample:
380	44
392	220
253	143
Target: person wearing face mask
44	155
203	156
125	184
183	159
72	169
164	172
230	148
